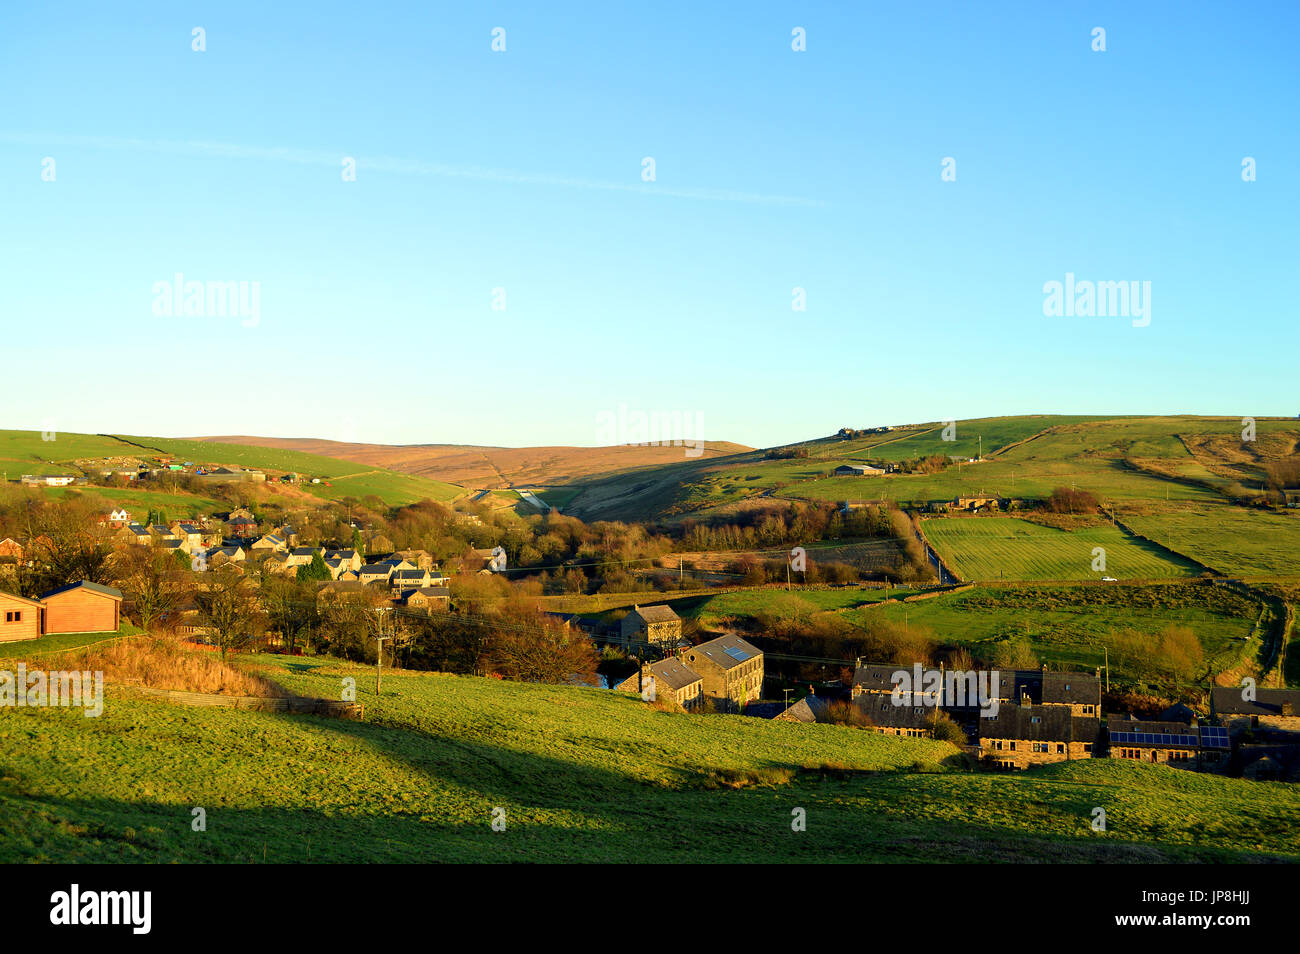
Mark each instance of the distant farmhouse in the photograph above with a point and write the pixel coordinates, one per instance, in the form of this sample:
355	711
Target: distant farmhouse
858	470
1167	743
1020	736
51	480
227	475
1275	711
657	625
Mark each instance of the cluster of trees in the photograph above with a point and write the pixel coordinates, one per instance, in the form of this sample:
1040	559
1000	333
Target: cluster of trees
930	464
788	453
64	542
1069	500
1173	656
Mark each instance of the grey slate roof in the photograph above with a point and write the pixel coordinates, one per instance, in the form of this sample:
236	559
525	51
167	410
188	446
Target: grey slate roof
673	674
660	613
1071	688
716	651
85	585
1268	702
807	709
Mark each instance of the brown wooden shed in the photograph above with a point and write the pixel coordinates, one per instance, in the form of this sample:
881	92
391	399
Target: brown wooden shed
83	607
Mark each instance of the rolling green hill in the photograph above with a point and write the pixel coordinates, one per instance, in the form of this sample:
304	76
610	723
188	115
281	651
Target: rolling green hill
580	775
28	452
1121	460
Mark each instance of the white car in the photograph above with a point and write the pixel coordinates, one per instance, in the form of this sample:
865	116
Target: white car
1109	579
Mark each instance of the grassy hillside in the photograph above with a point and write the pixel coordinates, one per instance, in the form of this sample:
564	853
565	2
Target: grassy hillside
582	775
1067	625
1231	540
247	455
392	488
1121	460
494	467
26	452
1005	548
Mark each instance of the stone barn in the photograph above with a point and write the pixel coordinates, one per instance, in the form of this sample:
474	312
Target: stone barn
656	625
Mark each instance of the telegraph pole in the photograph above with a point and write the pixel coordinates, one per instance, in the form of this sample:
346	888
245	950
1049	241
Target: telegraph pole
379	662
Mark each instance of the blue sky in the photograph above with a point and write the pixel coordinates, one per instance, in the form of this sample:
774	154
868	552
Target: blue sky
522	170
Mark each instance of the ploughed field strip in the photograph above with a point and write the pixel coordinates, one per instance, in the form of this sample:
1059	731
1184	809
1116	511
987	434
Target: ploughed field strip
1007	548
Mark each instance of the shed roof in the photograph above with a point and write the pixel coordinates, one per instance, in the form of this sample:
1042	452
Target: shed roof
99	588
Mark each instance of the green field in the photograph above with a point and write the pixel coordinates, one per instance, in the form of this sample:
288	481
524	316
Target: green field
393	488
27	452
246	455
133	499
24	452
1232	540
1068	625
581	775
1006	548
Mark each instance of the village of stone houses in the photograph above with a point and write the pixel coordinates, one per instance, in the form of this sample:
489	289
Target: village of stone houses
873	636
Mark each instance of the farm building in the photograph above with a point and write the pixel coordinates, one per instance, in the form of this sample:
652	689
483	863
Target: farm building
428	598
914	717
1167	743
671	680
1269	763
83	607
809	709
731	668
858	470
1020	736
980	502
48	480
225	475
1271	709
1081	691
21	618
657	625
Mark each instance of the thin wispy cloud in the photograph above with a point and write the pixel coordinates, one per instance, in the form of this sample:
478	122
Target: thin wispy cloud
397	166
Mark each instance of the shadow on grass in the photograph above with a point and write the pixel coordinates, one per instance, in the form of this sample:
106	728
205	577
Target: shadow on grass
684	827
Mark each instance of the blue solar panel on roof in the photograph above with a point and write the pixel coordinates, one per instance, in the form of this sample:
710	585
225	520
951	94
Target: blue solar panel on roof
737	654
1214	736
